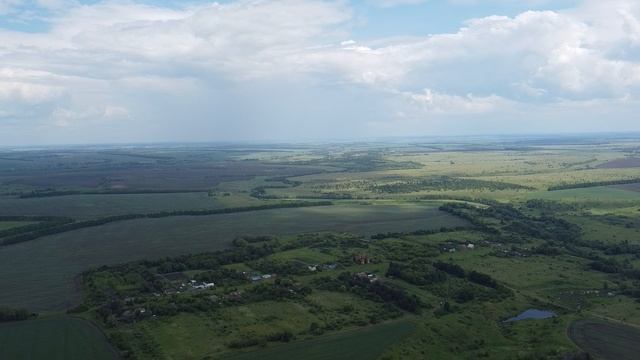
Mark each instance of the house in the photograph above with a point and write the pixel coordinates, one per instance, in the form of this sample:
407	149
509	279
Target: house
267	276
471	246
235	296
366	276
255	277
312	267
203	286
361	259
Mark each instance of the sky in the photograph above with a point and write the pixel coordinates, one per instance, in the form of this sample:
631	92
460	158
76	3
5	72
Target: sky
79	72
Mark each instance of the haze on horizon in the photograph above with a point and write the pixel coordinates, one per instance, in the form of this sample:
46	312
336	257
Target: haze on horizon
161	70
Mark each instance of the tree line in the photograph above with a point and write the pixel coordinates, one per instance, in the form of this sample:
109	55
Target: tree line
109	219
10	314
422	232
593	184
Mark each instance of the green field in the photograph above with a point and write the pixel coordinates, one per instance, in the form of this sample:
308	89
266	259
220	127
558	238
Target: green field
606	341
604	194
41	274
362	344
100	205
4	225
62	338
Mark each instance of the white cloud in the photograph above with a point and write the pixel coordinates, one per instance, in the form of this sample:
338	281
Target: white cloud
6	6
27	93
433	102
392	3
124	55
63	117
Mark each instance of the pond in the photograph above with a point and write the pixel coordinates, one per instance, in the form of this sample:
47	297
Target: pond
533	314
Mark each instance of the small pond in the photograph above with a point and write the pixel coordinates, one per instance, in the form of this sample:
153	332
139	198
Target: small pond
533	314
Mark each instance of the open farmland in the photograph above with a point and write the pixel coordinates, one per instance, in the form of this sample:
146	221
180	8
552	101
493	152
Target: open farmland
102	205
375	249
606	341
366	344
603	194
629	187
41	274
630	162
59	338
4	225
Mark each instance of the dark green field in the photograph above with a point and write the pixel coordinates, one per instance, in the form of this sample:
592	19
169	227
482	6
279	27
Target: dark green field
62	338
4	225
41	274
629	187
94	206
363	344
606	341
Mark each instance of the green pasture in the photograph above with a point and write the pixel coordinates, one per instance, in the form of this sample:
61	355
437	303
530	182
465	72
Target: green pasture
4	225
60	338
366	343
601	193
605	340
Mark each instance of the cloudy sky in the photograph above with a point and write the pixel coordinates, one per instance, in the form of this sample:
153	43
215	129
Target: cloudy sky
125	71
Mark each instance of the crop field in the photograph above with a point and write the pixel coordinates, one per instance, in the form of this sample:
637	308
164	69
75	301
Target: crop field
603	194
61	338
606	341
98	205
367	343
4	225
41	274
629	187
630	162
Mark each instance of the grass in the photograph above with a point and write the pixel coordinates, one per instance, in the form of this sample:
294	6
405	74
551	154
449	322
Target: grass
40	274
366	343
606	340
600	193
629	187
596	228
305	255
542	275
4	225
477	332
196	336
61	338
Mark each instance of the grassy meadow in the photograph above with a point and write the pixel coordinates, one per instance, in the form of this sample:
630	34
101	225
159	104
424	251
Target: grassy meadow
59	338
